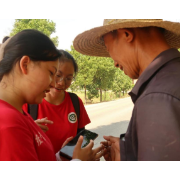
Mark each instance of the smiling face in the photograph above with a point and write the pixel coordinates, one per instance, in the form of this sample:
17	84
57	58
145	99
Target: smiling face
121	49
64	77
40	79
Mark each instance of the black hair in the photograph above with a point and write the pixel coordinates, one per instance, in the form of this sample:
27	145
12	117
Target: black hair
30	43
67	57
5	38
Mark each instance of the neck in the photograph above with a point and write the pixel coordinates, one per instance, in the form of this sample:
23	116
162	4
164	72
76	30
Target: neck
147	52
11	96
147	57
55	99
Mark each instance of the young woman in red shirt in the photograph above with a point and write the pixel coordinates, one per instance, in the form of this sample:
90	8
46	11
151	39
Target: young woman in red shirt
57	110
28	66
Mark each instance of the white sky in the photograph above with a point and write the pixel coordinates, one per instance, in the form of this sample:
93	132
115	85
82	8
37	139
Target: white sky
66	29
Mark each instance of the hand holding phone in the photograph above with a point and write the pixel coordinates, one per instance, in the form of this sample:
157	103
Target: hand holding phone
81	148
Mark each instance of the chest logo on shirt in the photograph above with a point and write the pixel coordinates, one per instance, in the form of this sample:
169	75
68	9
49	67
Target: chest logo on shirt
72	117
39	138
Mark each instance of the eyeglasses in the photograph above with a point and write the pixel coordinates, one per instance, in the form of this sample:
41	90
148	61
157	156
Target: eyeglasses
68	80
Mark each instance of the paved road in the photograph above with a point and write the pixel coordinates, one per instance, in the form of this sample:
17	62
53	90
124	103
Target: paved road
109	118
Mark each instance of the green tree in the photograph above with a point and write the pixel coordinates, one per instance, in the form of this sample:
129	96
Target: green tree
44	25
98	74
104	75
87	69
121	83
92	91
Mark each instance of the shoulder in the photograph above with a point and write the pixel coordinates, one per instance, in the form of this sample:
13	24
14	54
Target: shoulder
157	104
72	95
76	96
10	116
166	80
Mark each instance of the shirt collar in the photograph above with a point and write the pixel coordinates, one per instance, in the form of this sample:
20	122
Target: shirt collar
154	66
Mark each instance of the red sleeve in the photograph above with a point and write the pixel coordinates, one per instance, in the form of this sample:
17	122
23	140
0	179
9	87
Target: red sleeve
83	117
17	144
25	107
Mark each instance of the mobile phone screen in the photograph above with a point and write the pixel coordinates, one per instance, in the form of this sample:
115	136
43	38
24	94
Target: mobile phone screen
67	151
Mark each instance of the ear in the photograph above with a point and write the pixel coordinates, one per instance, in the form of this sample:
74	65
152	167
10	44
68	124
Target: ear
24	63
128	34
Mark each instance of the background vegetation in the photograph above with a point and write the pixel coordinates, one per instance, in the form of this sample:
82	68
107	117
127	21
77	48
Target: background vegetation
97	80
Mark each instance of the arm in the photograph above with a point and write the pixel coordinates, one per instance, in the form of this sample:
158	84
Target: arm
17	145
158	127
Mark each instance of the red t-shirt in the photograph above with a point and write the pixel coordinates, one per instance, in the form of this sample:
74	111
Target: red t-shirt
20	138
65	124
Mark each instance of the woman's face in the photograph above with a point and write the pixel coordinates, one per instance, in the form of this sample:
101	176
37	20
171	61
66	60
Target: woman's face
64	77
40	79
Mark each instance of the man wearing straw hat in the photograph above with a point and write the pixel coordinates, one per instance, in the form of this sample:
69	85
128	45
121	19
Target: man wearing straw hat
145	49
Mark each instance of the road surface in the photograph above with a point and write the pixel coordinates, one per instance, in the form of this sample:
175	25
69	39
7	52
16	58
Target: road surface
109	118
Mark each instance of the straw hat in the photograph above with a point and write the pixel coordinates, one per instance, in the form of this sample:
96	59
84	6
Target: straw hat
91	43
2	46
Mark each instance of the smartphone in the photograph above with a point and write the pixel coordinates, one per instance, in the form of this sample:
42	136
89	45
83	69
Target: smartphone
67	150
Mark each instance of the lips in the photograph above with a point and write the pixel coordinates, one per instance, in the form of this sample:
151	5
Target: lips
59	89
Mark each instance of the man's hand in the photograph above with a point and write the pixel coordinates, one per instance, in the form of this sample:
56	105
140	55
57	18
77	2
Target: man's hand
42	123
112	150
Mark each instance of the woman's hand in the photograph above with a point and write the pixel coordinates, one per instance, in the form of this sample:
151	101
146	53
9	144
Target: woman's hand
42	123
87	153
61	158
112	150
66	141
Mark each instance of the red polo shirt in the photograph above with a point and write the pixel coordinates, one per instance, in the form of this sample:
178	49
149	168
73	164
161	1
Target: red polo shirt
62	115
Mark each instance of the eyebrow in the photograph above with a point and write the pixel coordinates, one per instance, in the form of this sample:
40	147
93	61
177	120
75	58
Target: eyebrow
55	69
67	75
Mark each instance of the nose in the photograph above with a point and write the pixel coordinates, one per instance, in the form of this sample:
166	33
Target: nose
53	82
62	82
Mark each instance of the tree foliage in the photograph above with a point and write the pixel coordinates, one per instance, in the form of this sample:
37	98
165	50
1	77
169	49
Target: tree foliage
44	25
121	83
87	69
98	74
104	75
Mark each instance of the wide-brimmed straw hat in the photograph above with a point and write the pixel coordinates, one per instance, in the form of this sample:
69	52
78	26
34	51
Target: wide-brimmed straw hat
91	43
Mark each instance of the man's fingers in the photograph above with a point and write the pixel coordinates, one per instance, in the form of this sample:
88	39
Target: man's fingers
107	156
106	143
110	138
